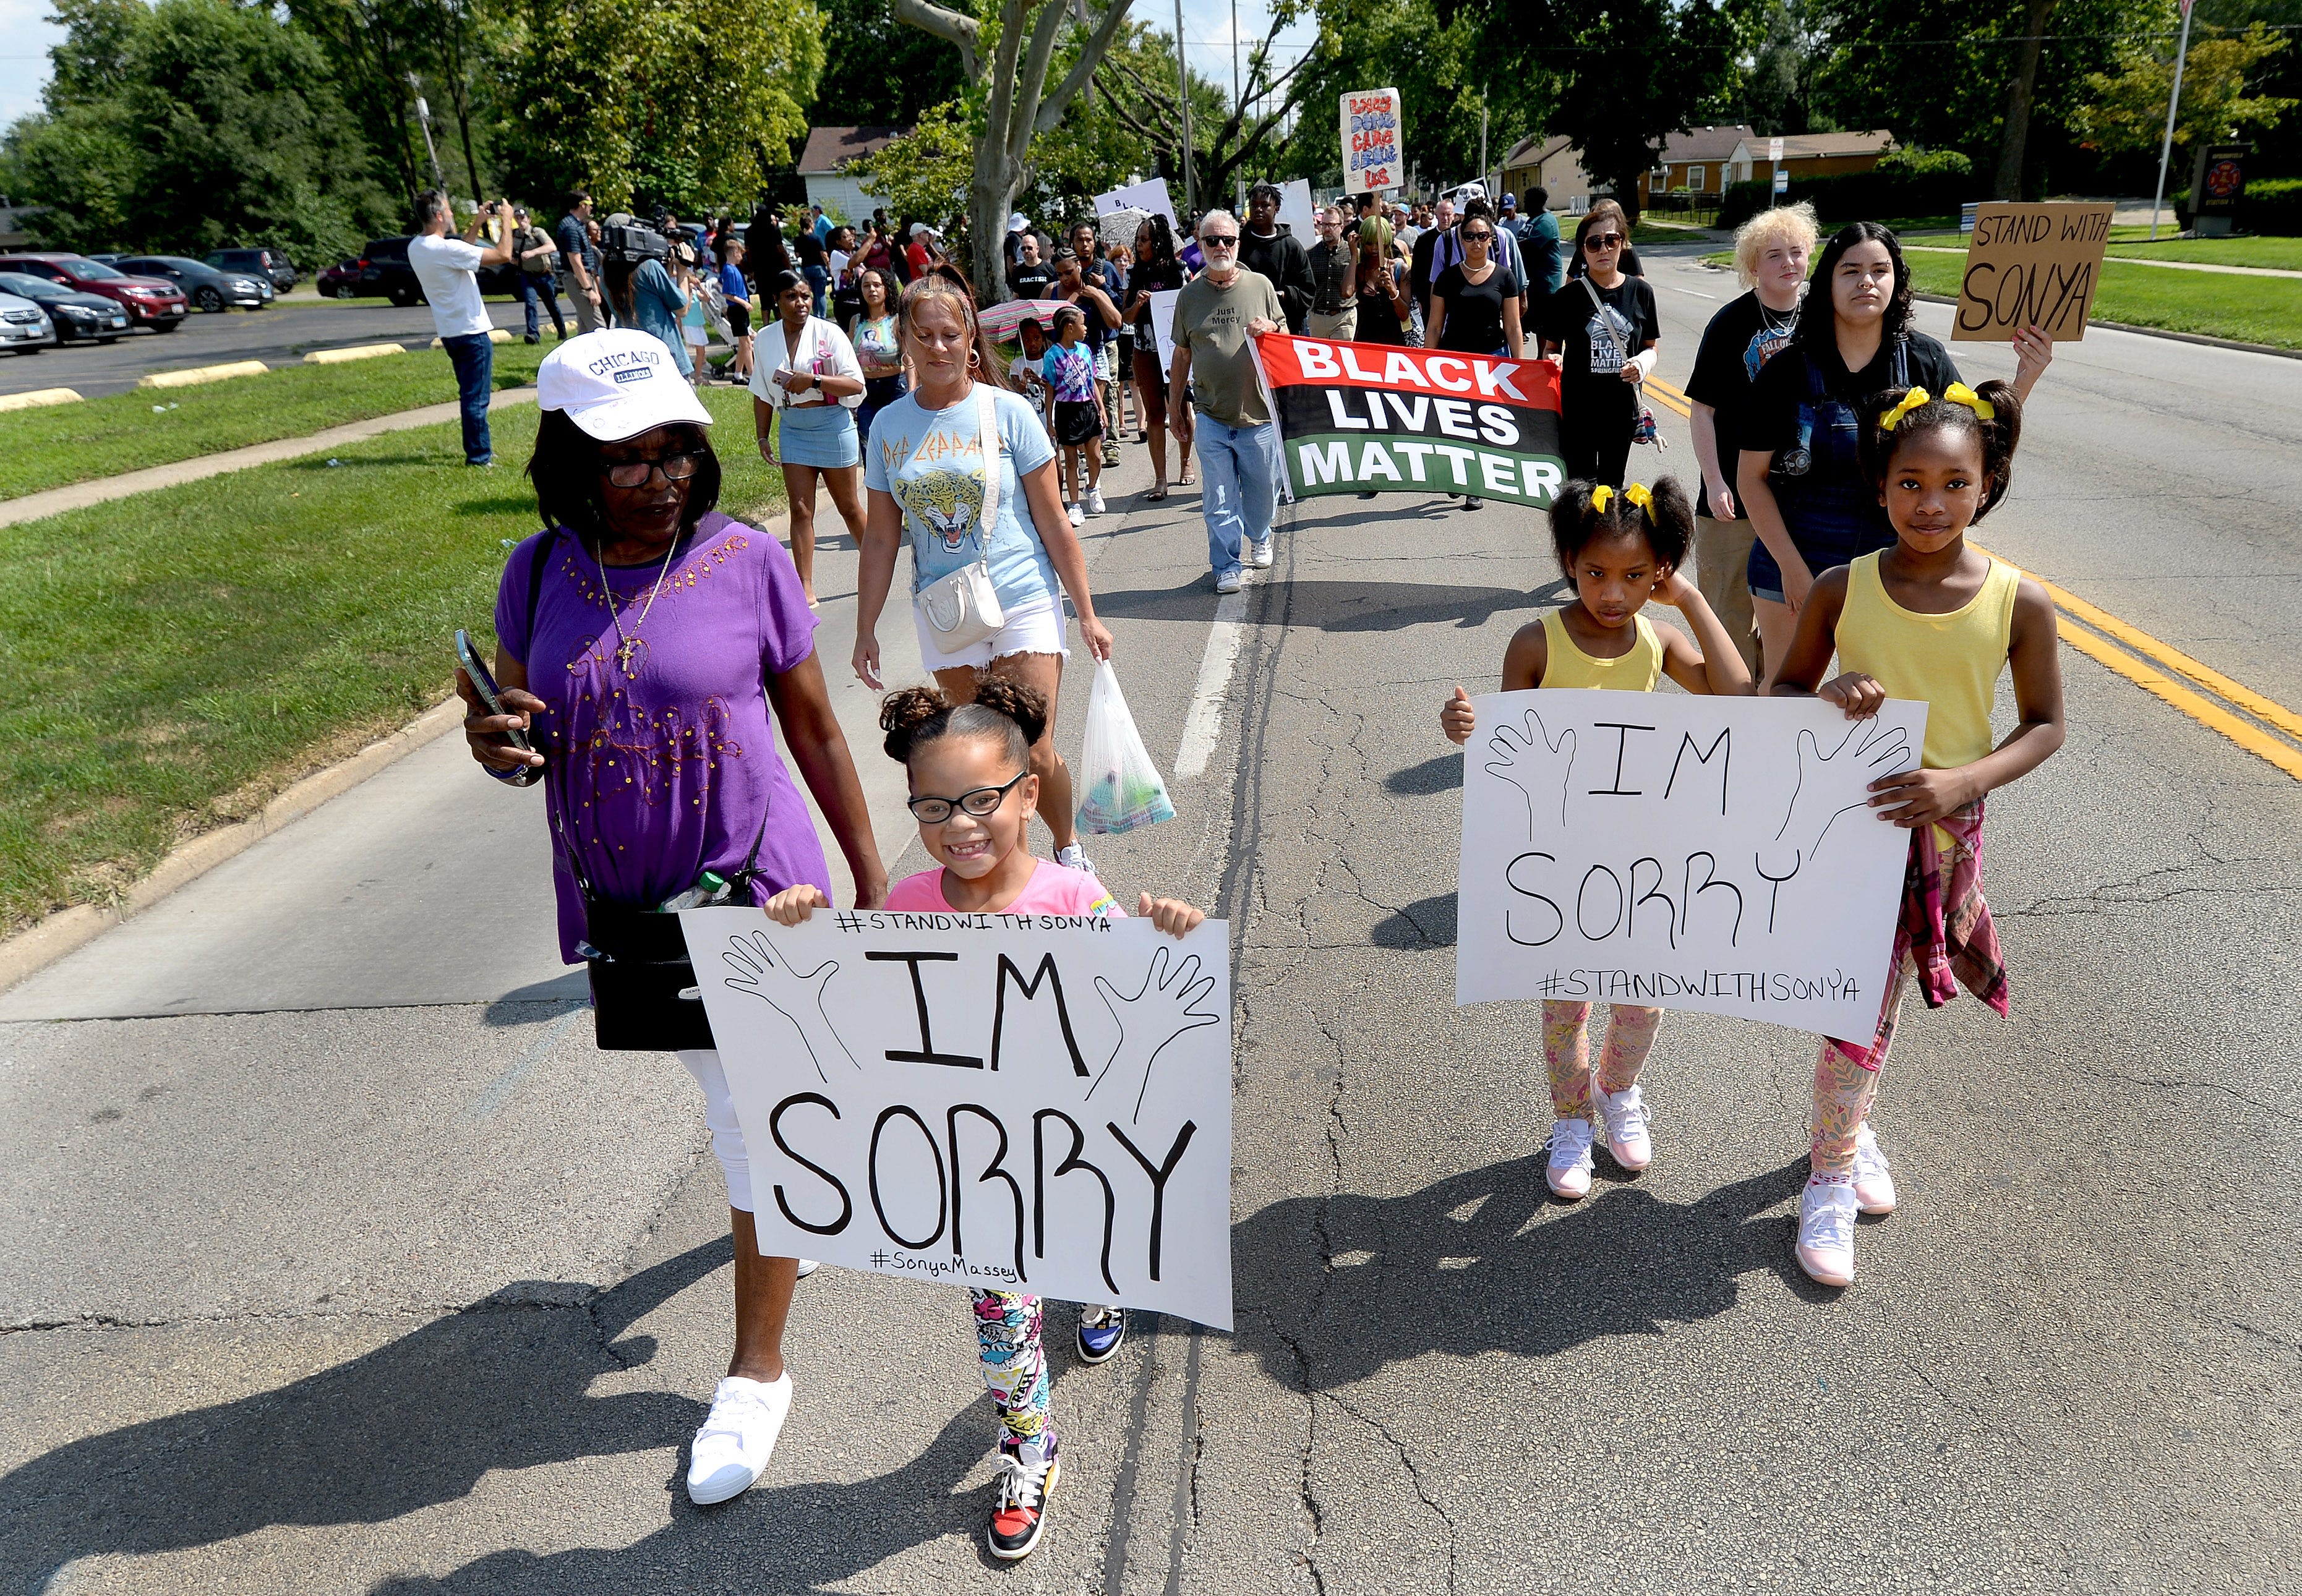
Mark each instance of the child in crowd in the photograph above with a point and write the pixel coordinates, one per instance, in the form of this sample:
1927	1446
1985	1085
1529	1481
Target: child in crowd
1619	549
1077	411
694	329
973	794
1929	618
1025	370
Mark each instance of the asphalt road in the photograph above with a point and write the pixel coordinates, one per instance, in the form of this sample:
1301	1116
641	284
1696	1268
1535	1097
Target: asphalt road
343	1262
279	335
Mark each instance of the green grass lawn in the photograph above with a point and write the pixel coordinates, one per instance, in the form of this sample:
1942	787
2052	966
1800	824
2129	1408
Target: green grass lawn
2266	310
176	657
2277	254
49	446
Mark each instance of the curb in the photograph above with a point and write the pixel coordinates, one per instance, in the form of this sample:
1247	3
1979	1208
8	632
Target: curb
51	937
495	335
358	351
2196	338
191	376
35	397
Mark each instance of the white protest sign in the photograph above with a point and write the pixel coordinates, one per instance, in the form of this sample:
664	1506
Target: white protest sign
1682	853
1163	325
1020	1102
1297	213
1371	137
1150	195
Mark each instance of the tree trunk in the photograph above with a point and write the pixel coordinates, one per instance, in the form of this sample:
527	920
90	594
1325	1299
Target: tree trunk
2008	184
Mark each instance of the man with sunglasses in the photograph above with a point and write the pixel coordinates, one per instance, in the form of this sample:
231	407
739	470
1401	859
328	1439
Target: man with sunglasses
1217	314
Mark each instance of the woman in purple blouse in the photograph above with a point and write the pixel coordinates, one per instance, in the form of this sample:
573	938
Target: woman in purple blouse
647	644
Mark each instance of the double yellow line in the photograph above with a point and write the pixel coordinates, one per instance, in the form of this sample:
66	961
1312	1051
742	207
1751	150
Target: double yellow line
2234	709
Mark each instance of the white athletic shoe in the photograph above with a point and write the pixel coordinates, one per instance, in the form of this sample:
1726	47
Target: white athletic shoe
1078	518
1826	1235
1569	1171
1231	583
1071	856
808	1267
1092	502
1258	555
1625	1114
1874	1188
734	1445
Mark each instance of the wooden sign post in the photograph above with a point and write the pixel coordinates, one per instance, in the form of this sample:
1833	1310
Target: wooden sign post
2031	265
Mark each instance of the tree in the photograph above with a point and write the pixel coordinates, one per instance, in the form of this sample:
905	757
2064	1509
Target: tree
1007	67
877	74
2127	109
2014	127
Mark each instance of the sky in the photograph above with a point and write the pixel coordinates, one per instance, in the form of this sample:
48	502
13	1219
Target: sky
25	35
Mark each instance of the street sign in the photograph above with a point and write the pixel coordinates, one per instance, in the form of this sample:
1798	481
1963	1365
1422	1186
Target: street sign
1775	150
1782	181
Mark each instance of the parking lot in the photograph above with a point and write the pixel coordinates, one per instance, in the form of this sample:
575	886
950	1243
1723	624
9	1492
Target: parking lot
295	324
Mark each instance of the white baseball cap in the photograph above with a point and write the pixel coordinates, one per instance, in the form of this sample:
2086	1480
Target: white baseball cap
617	383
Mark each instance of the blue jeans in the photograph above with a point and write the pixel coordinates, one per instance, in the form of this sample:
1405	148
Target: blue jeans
1237	490
533	287
474	359
819	283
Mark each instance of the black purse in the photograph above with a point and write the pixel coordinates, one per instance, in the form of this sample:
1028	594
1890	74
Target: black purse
644	995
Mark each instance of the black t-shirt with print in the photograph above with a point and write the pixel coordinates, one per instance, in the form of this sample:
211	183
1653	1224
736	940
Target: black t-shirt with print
1741	339
1571	321
1032	282
1772	418
1474	310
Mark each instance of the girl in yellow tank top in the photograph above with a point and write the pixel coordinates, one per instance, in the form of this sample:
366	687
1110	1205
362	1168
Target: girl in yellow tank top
1933	619
1619	549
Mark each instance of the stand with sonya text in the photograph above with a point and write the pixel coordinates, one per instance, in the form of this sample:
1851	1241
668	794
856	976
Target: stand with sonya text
1355	418
1027	1103
1682	853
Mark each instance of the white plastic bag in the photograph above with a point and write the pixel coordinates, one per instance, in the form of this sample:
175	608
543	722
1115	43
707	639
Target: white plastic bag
1120	787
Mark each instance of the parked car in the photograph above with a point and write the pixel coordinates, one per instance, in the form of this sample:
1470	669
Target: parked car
76	314
340	281
205	287
154	302
384	270
24	326
266	263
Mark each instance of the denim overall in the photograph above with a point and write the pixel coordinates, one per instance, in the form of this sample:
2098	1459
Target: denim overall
1833	516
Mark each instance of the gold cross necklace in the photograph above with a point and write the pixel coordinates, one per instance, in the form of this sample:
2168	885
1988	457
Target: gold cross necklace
631	652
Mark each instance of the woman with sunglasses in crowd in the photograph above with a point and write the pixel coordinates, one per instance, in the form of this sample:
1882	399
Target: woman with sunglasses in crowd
1155	270
1474	303
1603	323
648	647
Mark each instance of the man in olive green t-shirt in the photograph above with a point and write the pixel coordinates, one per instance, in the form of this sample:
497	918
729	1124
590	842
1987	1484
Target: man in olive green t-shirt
1216	315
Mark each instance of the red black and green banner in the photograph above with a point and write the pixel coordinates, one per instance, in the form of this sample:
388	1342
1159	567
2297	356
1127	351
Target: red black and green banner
1361	417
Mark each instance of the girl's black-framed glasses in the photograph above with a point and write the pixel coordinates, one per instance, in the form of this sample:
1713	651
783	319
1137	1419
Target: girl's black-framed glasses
977	801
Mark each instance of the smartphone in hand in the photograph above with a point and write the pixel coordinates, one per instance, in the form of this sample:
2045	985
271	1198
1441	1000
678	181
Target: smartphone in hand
484	682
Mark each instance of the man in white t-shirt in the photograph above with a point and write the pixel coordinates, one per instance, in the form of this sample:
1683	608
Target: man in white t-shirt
445	268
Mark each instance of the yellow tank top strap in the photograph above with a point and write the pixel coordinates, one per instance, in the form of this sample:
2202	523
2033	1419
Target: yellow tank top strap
1951	661
1567	666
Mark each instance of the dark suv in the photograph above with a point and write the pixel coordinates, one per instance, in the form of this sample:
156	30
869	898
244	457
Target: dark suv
153	302
273	264
384	270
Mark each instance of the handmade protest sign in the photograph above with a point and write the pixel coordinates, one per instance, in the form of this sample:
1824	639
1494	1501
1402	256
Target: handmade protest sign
1682	853
1298	212
2031	265
1371	139
1359	417
1147	196
1163	325
1022	1102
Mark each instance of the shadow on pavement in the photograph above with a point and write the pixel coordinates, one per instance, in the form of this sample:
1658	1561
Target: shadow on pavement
539	1000
1460	1267
1426	923
1334	606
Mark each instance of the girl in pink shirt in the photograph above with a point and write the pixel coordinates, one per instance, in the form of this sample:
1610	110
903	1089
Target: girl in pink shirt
973	796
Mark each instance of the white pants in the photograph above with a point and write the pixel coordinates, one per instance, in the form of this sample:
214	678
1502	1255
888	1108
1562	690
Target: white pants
719	1114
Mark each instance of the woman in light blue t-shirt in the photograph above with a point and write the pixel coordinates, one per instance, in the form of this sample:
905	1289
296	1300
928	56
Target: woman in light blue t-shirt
924	468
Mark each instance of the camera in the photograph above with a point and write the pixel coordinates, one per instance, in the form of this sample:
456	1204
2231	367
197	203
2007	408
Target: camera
630	244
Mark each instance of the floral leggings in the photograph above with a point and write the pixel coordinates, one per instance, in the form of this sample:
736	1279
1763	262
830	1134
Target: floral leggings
1844	1090
1567	1049
1014	1366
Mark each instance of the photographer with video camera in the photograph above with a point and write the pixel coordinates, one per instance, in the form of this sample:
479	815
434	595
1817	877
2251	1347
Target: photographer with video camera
632	265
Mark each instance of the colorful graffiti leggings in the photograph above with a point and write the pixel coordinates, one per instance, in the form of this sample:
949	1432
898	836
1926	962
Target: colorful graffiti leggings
1844	1090
1567	1049
1014	1366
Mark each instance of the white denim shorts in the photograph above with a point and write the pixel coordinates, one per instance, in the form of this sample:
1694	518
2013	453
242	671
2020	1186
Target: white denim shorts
1033	629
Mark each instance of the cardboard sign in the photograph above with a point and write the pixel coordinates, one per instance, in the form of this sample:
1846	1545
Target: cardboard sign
1150	195
1682	853
1374	136
2031	265
1019	1101
1357	418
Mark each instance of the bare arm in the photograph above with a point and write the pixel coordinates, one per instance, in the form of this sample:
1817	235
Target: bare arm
1513	338
1524	660
1436	322
1711	663
1815	639
1766	519
819	748
1043	494
1706	457
874	573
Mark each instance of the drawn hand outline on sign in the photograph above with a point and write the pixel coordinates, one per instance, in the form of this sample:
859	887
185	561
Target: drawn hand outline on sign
1827	789
1527	757
795	995
1168	1000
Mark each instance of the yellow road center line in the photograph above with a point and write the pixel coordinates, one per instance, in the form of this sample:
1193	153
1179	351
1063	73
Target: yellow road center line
2252	738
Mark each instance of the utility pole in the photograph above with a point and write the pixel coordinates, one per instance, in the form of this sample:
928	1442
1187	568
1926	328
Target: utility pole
1483	137
1183	81
1238	110
2173	100
423	115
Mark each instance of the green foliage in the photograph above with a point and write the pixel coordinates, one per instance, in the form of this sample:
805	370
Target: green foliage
1858	195
925	174
2125	107
876	73
1925	162
2272	206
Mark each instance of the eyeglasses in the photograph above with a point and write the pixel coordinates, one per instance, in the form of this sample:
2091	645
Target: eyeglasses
1476	238
1603	241
633	473
977	801
1219	240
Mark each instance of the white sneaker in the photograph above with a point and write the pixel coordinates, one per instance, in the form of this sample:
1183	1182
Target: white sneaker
1874	1188
1231	583
1258	555
1077	518
1625	1114
1092	502
736	1442
1569	1171
808	1267
1826	1235
1071	856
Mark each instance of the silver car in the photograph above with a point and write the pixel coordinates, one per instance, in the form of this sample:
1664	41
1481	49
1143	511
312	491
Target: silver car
24	326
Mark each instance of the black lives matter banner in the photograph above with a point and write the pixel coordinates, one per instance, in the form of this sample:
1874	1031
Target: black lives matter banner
1357	418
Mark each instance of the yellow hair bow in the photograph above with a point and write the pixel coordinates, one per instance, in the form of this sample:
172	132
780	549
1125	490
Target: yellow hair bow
1602	497
1637	494
1889	420
1958	393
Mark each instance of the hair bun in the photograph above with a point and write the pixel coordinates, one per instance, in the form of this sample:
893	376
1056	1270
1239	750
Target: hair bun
1020	702
903	711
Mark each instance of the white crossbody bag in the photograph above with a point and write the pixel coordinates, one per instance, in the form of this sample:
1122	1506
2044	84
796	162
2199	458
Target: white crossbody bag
962	607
